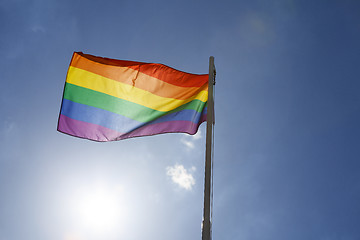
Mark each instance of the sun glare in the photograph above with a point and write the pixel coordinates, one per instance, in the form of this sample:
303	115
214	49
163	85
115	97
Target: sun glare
98	211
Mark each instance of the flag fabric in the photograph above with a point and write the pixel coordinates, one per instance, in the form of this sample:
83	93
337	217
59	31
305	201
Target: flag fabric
107	100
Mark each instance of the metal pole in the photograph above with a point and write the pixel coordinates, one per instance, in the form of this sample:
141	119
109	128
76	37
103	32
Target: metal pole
206	230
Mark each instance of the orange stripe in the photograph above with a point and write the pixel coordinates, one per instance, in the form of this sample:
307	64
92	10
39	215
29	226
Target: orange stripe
156	70
138	79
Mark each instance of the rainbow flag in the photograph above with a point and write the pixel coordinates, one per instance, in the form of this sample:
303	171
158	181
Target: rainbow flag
107	100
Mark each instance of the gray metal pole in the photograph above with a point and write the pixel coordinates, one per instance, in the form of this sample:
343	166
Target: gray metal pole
206	230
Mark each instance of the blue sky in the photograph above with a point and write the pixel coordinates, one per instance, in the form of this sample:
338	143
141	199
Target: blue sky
287	129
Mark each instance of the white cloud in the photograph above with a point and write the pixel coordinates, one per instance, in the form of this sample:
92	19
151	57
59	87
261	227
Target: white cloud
155	197
8	127
188	143
37	29
188	140
181	176
198	135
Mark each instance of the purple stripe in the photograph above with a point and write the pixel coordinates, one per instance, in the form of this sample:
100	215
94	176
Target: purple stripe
86	130
98	133
164	127
203	118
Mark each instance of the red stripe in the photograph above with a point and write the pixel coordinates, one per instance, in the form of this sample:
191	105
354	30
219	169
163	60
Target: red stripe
157	70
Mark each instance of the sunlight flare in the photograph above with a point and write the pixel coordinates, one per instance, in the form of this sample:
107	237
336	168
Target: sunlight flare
99	210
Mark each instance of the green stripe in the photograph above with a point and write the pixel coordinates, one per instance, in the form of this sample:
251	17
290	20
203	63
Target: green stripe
117	105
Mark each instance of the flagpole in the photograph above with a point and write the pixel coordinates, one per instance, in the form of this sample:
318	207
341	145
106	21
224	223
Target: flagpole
206	226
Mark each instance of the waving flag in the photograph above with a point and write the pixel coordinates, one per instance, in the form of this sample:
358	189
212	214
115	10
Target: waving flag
108	100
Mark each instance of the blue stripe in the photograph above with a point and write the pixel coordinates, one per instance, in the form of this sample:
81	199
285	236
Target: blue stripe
183	115
98	116
118	122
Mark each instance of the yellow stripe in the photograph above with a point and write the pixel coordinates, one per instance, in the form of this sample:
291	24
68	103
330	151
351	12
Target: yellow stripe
143	81
127	92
